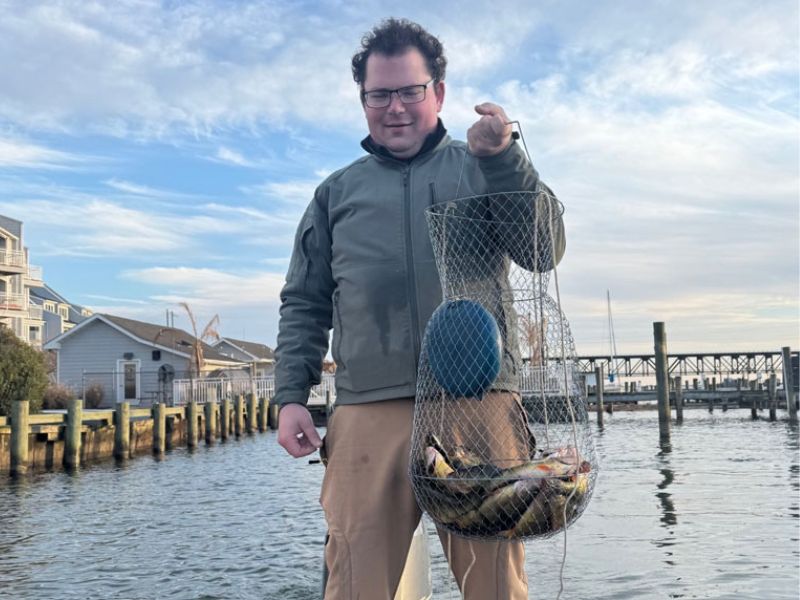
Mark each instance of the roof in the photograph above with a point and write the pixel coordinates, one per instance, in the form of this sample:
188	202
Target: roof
12	226
41	293
254	349
168	338
45	292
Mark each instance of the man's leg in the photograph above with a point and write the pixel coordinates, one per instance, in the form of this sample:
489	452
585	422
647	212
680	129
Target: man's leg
367	499
497	572
495	428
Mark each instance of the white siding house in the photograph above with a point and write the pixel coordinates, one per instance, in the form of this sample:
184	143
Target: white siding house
258	355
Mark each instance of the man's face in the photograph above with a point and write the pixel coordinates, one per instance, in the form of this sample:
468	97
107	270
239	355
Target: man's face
402	128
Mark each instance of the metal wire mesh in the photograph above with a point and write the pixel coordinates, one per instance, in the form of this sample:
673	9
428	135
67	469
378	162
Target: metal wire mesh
501	448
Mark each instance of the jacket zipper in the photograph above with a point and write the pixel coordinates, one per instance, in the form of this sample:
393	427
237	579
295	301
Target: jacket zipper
412	288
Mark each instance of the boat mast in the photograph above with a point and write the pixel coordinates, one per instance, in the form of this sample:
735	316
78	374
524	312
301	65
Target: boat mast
612	339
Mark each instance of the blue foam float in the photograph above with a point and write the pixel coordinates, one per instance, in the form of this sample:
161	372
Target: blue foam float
464	347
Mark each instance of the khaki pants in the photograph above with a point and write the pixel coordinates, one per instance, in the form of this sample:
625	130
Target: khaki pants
372	513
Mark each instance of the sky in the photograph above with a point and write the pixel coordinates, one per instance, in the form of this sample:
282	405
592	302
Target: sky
164	151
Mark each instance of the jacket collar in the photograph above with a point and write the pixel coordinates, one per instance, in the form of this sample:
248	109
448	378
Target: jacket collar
430	143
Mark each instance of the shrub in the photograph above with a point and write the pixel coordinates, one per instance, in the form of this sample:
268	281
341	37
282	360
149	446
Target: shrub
23	374
93	395
57	396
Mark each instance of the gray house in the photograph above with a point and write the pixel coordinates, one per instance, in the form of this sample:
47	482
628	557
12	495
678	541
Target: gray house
129	360
255	354
58	313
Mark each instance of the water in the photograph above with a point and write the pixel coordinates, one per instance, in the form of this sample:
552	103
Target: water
714	516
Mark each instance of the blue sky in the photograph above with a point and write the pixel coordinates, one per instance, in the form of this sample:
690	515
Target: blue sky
160	152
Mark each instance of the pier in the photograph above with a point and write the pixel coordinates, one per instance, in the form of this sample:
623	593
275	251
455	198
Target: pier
698	363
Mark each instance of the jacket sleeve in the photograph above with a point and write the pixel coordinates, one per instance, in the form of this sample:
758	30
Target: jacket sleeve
529	227
306	307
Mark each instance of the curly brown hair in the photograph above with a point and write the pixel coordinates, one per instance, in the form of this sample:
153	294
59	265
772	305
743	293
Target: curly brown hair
395	36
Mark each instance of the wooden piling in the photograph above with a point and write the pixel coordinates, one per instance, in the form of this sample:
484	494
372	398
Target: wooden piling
20	430
679	399
122	430
191	424
772	390
210	412
225	420
252	404
788	384
598	377
274	412
238	418
263	409
662	378
159	428
72	434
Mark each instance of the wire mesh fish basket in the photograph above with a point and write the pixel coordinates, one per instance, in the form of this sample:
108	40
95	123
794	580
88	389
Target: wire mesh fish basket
502	446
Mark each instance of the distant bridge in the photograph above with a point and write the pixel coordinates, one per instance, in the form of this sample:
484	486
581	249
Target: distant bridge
699	363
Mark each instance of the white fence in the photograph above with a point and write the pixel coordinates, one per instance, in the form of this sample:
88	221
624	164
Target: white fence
199	389
548	379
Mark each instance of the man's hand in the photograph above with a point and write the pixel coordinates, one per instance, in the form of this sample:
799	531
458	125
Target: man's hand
296	432
490	134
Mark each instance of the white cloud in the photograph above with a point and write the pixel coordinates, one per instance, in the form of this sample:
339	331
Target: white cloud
99	227
23	154
295	194
132	188
210	289
226	155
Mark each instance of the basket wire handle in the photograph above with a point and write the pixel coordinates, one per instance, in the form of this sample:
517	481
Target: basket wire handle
515	135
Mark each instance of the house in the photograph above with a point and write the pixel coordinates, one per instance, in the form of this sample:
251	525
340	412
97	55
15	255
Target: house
128	360
17	276
59	314
258	355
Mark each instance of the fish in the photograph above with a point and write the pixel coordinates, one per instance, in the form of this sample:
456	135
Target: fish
436	464
579	484
558	516
534	521
536	469
501	509
463	458
569	455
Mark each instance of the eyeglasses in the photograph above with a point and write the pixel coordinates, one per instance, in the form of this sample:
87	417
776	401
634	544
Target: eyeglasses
411	94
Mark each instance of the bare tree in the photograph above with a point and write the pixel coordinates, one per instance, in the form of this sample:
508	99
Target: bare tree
209	332
533	333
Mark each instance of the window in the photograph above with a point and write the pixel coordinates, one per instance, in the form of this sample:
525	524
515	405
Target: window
64	312
50	307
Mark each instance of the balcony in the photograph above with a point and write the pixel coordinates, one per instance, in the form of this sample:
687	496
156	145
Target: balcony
35	312
12	261
13	304
35	274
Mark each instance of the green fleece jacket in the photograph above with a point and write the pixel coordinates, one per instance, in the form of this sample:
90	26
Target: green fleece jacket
363	265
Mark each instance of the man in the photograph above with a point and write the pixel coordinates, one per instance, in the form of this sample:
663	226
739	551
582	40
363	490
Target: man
363	266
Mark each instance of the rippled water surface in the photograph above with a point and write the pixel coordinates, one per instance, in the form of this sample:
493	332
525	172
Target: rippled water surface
713	516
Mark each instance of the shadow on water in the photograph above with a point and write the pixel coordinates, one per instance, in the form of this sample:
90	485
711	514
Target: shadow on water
668	517
793	443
